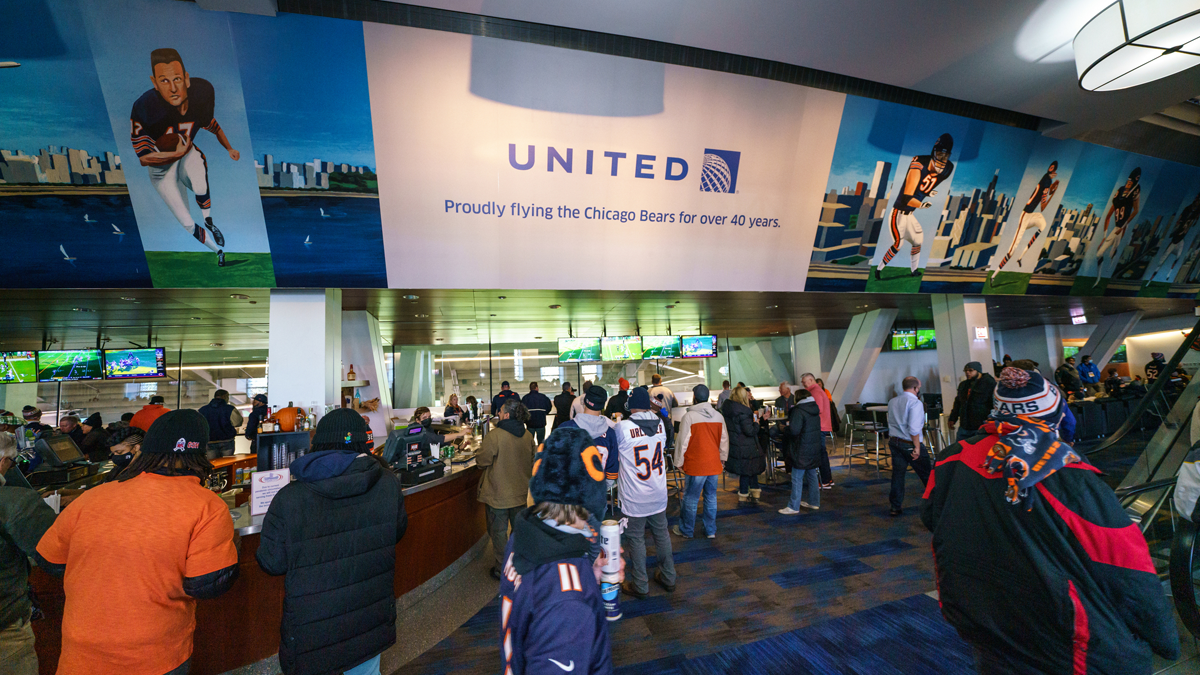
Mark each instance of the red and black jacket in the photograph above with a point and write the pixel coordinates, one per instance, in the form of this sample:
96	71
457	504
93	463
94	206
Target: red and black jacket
1065	587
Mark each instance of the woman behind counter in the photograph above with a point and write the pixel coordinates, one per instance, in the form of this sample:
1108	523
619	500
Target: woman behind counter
452	409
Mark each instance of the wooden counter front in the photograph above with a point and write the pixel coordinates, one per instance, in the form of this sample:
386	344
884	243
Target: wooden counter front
242	626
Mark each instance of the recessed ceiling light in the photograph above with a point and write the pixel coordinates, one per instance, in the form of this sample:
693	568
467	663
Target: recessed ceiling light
421	316
411	297
538	337
774	332
83	309
437	339
772	306
195	318
491	315
555	306
127	298
670	306
216	344
470	329
503	297
239	296
254	302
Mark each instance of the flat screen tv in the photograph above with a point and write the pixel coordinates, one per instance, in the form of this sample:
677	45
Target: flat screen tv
121	364
70	364
18	366
621	348
660	347
904	339
698	346
577	350
926	339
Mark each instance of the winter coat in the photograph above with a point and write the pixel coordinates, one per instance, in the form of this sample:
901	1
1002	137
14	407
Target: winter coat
499	399
223	420
562	408
1068	378
24	518
506	456
1062	583
333	532
746	458
973	403
539	406
95	445
703	444
805	440
619	403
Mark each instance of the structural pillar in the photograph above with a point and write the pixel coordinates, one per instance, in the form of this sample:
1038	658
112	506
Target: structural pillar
963	335
304	362
362	346
814	352
860	348
1110	332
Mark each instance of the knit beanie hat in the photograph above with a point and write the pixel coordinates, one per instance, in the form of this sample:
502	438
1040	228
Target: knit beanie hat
699	393
1026	392
30	412
94	421
567	469
341	426
639	399
177	432
595	397
624	384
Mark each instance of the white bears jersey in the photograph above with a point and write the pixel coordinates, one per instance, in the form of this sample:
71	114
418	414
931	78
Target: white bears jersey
641	446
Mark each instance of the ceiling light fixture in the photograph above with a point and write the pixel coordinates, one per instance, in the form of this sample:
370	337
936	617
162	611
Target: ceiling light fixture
538	337
127	298
1132	43
670	306
195	318
555	306
83	309
503	297
421	316
216	344
239	296
411	297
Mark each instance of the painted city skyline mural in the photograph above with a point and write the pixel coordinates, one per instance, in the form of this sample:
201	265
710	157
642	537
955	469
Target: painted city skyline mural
248	151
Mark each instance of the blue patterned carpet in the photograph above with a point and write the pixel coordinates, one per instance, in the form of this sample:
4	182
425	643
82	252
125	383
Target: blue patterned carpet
840	590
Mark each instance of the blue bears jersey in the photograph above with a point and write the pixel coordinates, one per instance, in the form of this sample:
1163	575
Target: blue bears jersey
552	619
1040	192
1122	203
152	117
929	179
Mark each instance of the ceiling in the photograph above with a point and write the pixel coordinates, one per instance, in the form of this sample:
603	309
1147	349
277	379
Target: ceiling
1013	55
229	325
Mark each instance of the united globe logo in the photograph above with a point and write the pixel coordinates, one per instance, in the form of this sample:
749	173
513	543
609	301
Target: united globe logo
720	170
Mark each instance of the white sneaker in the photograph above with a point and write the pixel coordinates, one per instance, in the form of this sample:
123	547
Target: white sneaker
810	506
787	511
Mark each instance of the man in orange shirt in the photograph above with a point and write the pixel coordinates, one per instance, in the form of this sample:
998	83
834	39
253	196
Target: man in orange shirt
143	418
137	552
700	452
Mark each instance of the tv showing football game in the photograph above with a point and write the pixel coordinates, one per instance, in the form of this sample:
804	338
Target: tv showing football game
577	350
70	364
904	339
660	347
622	348
18	366
698	346
120	364
926	339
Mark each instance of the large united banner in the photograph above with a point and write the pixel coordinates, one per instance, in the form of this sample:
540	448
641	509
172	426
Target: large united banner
152	143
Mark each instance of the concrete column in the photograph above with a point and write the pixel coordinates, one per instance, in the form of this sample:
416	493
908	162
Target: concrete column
815	352
362	346
414	378
13	397
860	347
1108	335
955	319
305	347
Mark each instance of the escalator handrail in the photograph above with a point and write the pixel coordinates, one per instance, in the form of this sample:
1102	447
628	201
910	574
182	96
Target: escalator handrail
1144	487
1155	389
1183	588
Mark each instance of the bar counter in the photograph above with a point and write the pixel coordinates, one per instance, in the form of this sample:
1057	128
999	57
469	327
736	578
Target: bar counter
242	626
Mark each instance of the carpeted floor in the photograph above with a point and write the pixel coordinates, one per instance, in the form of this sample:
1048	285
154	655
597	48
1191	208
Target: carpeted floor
840	590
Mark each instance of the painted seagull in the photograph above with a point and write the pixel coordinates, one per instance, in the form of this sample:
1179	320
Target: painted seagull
117	231
88	220
323	214
65	256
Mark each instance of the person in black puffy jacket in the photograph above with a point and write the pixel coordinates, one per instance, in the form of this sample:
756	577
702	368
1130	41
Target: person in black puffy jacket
746	459
333	532
805	442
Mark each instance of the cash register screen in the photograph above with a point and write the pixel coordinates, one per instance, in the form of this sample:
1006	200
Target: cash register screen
64	449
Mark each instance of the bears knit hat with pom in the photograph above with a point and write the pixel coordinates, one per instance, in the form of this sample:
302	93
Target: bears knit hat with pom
342	426
179	432
639	399
1026	392
567	469
623	383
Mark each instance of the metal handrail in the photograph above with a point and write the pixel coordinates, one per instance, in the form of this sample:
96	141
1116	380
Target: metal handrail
1144	487
1155	389
1183	587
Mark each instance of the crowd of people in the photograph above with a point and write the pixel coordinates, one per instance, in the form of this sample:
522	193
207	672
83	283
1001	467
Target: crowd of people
1012	520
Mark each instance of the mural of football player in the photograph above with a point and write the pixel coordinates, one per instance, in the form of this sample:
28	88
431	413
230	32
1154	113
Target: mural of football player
164	124
1187	220
1032	216
925	173
1121	211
